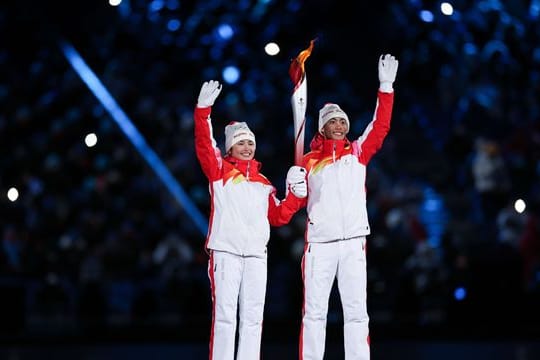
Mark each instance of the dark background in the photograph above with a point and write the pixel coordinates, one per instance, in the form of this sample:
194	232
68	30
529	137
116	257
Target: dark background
96	249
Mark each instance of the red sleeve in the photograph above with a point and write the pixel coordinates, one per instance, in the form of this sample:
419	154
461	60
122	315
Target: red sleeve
205	146
372	138
281	212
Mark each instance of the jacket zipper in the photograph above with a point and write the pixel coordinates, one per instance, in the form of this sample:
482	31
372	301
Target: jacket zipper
247	178
339	193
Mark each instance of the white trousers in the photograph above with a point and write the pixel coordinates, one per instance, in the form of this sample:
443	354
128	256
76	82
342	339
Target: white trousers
321	264
236	282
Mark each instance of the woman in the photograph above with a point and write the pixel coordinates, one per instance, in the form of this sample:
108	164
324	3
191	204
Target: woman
243	206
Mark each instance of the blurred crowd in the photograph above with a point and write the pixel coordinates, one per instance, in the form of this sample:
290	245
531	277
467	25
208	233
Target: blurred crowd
96	244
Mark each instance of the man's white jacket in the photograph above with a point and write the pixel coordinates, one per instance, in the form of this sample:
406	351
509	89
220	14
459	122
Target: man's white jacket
336	175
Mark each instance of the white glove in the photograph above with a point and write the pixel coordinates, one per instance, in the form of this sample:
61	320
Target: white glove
388	66
209	92
296	181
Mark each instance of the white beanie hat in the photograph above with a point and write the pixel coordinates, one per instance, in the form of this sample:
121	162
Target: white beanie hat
330	111
235	132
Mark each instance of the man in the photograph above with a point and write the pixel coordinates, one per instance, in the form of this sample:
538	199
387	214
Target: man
337	223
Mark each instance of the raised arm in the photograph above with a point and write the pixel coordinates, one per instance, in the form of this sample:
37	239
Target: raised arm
206	149
372	138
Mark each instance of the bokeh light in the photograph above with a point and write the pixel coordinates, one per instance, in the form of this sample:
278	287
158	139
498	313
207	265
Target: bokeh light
272	48
13	194
90	140
231	74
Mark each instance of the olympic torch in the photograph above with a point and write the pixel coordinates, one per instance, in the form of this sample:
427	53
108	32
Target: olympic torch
297	73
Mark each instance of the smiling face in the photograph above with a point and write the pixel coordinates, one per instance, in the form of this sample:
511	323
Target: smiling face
335	129
243	150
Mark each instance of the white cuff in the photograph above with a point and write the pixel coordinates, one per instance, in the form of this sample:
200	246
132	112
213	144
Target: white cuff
386	87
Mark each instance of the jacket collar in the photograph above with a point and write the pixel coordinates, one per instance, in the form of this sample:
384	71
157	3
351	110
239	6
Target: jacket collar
328	146
244	166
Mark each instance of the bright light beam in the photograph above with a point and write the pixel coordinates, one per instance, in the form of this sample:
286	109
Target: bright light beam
126	125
